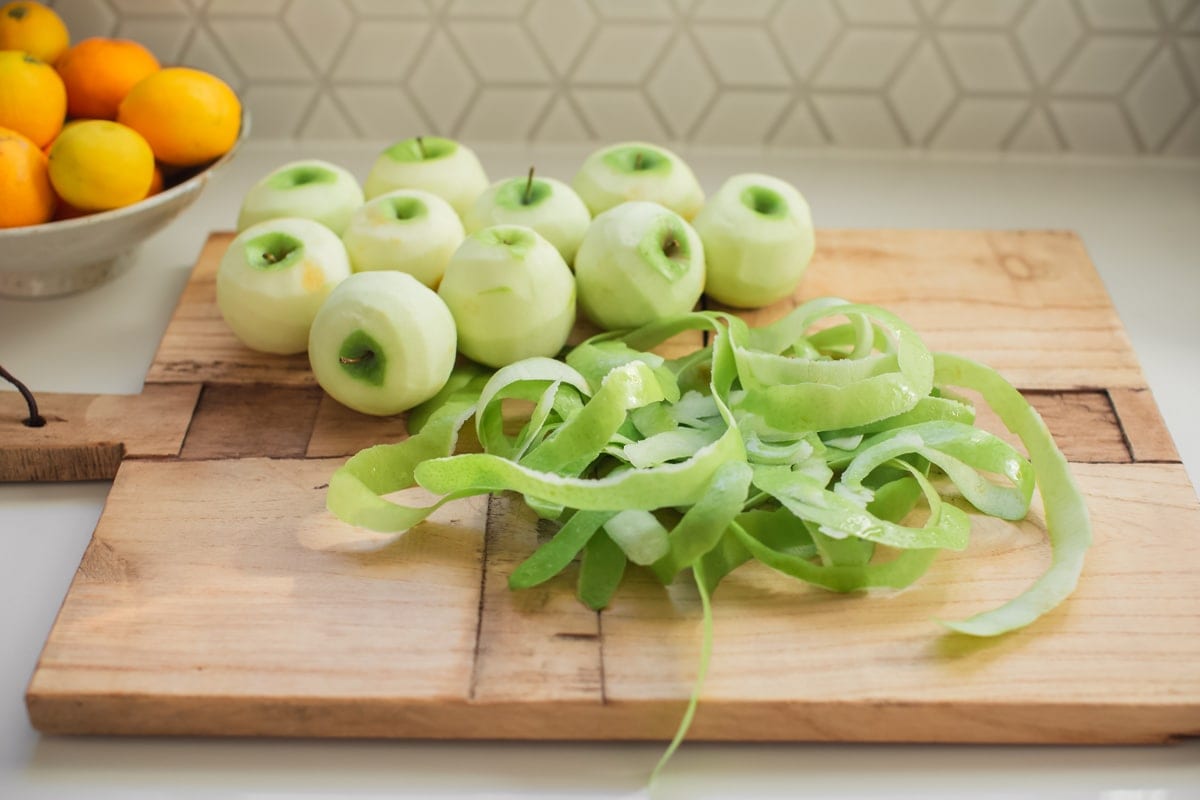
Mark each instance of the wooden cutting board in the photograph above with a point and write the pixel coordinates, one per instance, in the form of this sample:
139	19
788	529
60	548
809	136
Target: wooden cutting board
199	607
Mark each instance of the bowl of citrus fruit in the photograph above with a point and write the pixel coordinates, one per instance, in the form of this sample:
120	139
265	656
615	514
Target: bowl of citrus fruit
100	147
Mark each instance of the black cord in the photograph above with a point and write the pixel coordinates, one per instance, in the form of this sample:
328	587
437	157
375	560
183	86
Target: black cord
35	420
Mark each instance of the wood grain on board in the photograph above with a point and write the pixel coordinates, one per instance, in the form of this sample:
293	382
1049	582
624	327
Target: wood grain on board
538	645
181	622
1027	303
340	431
246	421
1144	429
208	604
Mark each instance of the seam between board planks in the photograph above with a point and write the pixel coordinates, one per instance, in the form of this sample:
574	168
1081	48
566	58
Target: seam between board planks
1121	420
489	518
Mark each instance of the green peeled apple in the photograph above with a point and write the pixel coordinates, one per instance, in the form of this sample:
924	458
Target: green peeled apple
311	189
444	167
273	278
639	262
638	171
408	230
382	343
512	295
550	207
758	240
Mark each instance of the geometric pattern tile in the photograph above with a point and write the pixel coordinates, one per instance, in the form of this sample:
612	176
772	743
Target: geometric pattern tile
622	54
1035	135
980	123
560	29
984	61
1106	64
1093	126
860	121
921	92
1047	35
879	12
865	59
1109	77
681	87
740	117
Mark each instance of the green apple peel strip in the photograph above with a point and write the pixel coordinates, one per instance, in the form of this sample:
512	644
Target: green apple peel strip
804	450
1067	523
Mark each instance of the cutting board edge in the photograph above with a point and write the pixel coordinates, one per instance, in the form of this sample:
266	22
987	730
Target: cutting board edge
1100	723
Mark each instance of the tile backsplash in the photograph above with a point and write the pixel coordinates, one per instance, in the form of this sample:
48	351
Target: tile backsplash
1118	77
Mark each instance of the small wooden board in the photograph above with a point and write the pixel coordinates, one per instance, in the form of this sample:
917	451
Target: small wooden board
200	609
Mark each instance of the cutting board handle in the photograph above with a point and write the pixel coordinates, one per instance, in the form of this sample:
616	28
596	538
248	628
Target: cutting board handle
85	436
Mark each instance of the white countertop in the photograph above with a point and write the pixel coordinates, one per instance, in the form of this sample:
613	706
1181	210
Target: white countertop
1140	221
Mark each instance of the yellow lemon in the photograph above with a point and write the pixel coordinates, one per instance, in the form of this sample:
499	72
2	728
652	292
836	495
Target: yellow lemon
96	165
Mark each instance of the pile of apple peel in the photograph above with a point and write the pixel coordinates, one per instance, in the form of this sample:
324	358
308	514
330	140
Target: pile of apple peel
810	444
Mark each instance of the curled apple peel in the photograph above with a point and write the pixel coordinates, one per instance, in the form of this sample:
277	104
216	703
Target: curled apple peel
772	477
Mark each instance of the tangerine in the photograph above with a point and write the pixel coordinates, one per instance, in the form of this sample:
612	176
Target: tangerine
98	73
24	182
188	116
33	28
33	101
156	182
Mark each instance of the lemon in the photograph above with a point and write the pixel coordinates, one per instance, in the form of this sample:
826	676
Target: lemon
98	165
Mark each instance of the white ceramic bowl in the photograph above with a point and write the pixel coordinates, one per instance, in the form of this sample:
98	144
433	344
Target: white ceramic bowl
72	255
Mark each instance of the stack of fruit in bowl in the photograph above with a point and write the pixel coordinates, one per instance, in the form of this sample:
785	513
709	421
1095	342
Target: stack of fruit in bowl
100	124
100	147
385	284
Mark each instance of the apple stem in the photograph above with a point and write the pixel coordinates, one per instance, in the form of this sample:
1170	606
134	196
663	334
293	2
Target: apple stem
528	188
421	146
269	257
671	247
35	420
366	356
637	160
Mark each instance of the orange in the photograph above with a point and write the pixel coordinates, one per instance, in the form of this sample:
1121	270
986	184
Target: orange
188	116
99	72
98	164
156	182
34	29
33	101
24	182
